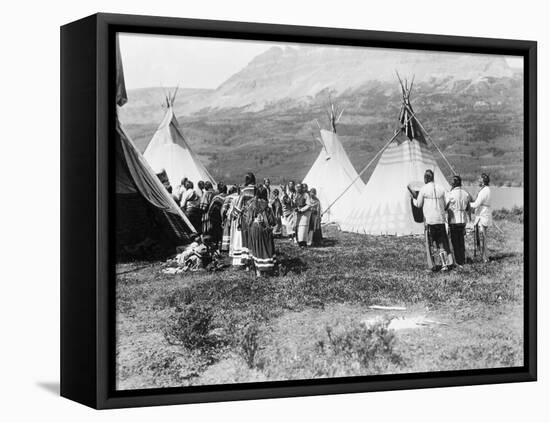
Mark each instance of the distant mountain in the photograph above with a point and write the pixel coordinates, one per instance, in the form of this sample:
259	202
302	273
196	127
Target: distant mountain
145	105
262	118
299	74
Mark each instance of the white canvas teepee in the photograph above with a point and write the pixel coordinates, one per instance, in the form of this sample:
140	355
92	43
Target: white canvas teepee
331	174
168	150
144	209
384	207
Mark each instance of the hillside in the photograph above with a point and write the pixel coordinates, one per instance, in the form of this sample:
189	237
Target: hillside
263	117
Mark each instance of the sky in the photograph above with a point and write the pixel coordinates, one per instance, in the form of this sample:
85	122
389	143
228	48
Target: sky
192	62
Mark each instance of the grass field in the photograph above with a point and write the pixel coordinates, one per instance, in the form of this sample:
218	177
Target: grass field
312	320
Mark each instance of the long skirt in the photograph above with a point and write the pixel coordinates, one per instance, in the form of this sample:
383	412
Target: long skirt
302	227
262	247
315	235
213	228
278	229
245	244
226	236
289	222
204	223
236	244
195	217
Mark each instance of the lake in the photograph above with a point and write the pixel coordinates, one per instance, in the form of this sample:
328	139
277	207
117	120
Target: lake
502	197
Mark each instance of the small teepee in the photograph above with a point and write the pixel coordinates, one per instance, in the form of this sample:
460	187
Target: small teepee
384	207
169	151
332	173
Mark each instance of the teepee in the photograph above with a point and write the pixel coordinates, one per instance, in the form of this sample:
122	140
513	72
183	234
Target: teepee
145	213
384	207
332	173
168	150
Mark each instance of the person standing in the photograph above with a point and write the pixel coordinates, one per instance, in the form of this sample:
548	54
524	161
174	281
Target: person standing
239	236
227	208
431	198
267	185
277	208
315	234
179	191
236	236
303	213
213	224
484	215
458	210
190	205
206	199
288	204
260	220
200	188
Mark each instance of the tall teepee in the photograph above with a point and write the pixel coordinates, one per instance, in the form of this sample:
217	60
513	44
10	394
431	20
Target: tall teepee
332	173
145	211
384	207
168	150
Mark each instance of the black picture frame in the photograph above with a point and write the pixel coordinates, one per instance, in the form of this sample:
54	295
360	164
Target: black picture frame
87	276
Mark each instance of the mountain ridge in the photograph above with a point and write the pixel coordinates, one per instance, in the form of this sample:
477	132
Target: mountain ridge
300	74
257	119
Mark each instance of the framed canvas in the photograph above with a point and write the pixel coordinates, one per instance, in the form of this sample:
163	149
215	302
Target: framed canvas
255	211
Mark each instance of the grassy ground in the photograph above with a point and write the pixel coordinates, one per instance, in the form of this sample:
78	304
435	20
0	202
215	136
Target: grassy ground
313	320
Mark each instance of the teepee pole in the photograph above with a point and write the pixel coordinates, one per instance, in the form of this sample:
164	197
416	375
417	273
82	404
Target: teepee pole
367	166
432	141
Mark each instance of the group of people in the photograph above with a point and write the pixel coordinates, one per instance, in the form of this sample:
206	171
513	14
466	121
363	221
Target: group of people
244	220
454	207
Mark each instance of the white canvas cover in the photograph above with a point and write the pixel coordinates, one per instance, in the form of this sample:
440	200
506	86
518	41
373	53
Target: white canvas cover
169	151
384	208
330	175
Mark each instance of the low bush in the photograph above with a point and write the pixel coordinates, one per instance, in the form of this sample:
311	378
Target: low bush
370	344
249	344
193	328
515	214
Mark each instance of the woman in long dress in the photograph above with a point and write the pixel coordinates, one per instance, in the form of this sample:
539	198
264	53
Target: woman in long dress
212	224
260	221
288	218
226	210
303	214
315	234
277	208
190	204
206	199
236	240
239	231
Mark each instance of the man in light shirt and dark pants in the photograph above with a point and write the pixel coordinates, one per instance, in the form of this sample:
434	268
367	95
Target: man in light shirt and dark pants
458	209
431	198
484	217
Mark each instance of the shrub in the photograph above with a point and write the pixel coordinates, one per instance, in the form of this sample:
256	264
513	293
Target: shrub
249	344
515	214
192	328
370	344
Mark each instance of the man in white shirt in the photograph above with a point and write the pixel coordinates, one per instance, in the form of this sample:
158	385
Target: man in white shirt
431	198
484	216
179	191
458	211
